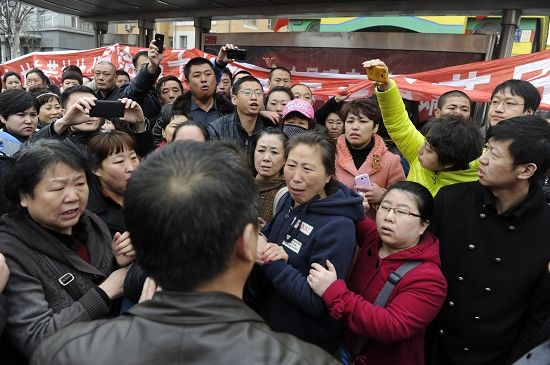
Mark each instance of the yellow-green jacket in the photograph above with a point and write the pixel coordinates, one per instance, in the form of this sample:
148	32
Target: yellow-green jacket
408	140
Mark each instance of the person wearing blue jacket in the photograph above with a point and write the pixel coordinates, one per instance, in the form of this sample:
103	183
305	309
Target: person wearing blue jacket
314	222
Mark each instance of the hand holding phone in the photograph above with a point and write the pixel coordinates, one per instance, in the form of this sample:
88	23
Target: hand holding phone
363	181
159	42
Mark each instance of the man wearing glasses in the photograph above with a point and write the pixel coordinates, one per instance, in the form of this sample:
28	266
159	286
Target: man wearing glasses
512	98
242	126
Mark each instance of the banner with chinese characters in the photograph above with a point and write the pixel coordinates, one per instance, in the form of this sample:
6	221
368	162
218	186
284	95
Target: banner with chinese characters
475	79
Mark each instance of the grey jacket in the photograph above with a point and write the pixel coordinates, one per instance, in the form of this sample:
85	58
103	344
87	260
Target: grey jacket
179	328
39	304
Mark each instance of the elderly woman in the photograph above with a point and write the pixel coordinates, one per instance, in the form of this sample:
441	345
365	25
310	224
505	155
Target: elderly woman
19	118
360	150
391	332
315	222
61	257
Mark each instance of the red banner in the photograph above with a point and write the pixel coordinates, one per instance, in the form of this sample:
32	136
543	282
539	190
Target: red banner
475	79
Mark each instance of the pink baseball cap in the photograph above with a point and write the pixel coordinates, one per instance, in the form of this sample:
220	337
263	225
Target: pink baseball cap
299	106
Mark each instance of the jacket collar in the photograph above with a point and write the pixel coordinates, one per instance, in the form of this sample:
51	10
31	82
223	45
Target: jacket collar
372	163
195	308
533	200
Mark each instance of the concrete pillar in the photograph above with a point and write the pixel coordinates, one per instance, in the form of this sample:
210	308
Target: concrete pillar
99	29
509	24
202	25
146	29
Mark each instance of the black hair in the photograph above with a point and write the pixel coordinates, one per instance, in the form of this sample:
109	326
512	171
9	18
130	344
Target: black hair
44	98
366	106
181	186
228	73
529	93
121	72
105	144
279	88
421	195
164	79
197	61
239	82
74	68
72	75
456	141
274	131
32	162
138	55
530	136
278	68
163	123
241	72
323	142
452	94
11	73
75	89
40	74
14	101
192	123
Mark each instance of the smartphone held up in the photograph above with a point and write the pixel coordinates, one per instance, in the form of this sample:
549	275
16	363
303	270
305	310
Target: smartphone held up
107	109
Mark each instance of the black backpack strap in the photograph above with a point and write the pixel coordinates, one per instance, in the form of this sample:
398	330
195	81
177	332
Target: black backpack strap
66	279
382	299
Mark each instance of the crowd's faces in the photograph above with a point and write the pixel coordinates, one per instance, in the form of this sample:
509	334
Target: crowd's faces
67	83
455	105
168	132
49	111
305	174
505	105
189	133
269	156
22	124
12	82
169	91
141	62
297	120
277	101
59	199
104	76
249	100
121	80
359	130
398	230
279	78
428	157
116	170
302	92
224	86
92	123
34	82
496	165
202	81
335	125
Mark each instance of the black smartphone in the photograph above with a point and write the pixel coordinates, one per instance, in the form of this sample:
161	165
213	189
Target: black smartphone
107	109
159	42
237	54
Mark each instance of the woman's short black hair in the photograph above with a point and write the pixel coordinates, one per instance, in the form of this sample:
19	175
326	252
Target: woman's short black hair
31	163
14	101
11	73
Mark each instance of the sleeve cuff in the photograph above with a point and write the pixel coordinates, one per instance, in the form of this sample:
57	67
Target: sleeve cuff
96	302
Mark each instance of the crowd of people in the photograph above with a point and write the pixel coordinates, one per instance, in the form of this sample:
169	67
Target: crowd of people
224	222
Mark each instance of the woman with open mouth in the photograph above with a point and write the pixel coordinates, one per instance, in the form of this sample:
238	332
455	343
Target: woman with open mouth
65	266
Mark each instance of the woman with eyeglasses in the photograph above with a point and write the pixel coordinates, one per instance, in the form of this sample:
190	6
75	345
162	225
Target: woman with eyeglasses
394	333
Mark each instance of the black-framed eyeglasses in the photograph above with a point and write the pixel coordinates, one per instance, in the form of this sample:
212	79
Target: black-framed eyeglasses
400	212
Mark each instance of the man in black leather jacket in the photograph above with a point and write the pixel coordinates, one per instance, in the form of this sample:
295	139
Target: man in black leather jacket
199	248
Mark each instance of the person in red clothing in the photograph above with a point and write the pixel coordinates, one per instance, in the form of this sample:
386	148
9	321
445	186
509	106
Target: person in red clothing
393	334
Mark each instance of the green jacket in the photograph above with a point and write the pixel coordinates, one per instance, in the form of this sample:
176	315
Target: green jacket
408	140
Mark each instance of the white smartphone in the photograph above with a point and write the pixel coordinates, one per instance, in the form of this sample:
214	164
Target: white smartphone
363	181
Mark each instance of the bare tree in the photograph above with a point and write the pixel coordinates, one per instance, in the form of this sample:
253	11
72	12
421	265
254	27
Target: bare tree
16	18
